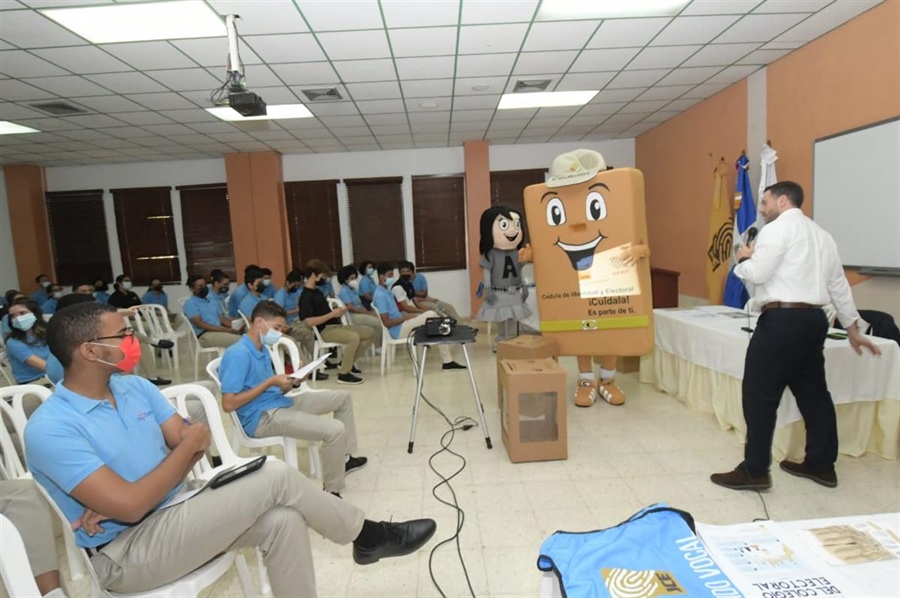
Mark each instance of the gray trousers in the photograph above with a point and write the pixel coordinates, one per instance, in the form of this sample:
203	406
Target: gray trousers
222	340
373	322
272	509
308	419
22	503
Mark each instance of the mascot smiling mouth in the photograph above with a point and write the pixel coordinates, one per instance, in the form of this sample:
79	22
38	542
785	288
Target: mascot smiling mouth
581	256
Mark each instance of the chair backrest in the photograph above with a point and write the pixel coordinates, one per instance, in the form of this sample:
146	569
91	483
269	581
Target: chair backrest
192	335
136	321
12	406
245	318
383	327
9	456
335	303
157	319
14	567
15	396
178	395
277	351
183	300
212	368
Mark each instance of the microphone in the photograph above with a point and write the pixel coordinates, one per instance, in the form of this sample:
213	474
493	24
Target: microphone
751	234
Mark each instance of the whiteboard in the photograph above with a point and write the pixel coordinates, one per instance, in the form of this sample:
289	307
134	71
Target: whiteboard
856	193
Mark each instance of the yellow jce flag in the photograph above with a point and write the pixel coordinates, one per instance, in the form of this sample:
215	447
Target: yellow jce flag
721	229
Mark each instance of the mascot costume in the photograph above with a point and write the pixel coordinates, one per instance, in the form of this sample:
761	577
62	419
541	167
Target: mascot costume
503	291
588	234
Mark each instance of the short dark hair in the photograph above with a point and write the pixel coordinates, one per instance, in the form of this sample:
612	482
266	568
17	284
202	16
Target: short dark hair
10	295
295	276
73	299
192	279
789	189
266	271
406	264
268	310
251	274
218	275
317	266
121	277
39	277
345	273
74	325
385	267
363	265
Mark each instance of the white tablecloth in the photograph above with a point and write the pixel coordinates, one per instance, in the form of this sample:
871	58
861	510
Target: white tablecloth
699	357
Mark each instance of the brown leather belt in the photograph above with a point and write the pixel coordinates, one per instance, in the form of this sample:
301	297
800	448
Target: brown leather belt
789	305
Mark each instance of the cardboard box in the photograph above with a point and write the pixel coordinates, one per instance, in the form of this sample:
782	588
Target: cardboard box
533	410
526	346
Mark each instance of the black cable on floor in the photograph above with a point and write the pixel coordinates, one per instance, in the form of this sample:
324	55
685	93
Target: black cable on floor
765	508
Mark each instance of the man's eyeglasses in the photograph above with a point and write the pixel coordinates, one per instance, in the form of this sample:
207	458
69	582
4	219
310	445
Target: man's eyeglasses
128	332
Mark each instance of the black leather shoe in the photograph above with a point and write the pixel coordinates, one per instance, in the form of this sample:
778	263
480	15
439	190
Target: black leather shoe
160	381
825	478
399	539
452	365
740	479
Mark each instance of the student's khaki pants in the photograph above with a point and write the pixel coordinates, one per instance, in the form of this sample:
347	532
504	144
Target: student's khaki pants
353	340
442	307
409	325
218	339
370	321
22	503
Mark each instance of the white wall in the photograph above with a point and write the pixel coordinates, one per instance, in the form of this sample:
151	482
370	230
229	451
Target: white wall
9	275
616	152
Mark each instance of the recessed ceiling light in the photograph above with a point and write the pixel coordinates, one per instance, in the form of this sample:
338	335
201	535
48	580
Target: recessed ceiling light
428	104
546	99
273	112
609	9
480	87
8	128
141	21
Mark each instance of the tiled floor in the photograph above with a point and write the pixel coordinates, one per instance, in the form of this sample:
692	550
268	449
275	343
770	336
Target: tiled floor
620	460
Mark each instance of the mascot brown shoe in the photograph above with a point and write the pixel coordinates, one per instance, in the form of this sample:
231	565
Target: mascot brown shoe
610	392
585	393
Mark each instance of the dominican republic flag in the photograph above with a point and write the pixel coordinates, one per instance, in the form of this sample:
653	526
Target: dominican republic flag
736	294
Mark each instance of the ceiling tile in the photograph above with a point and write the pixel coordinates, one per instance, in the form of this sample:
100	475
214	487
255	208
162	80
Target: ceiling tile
464	86
484	65
431	67
733	73
300	47
665	93
271	135
420	14
684	75
143	118
214	127
762	57
428	117
279	95
11	5
307	74
47	124
791	6
627	33
161	101
20	64
498	11
584	81
720	7
380	106
358	133
10	111
661	116
29	29
192	115
483	39
168	130
701	92
558	111
693	30
434	41
471	115
643	107
94	121
84	60
332	108
123	133
374	91
522	115
69	86
776	45
213	52
662	57
637	78
511	85
349	45
825	20
386	119
195	79
398	128
154	141
277	17
682	104
427	88
603	60
476	102
151	55
557	35
354	71
353	14
617	95
132	82
760	28
535	63
108	104
720	54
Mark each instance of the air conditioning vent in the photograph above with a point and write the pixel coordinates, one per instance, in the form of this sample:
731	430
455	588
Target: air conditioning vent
59	108
329	94
525	86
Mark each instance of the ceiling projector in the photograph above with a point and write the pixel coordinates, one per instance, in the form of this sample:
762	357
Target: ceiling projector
247	103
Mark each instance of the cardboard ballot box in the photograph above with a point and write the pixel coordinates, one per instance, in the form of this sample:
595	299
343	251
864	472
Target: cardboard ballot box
526	346
533	409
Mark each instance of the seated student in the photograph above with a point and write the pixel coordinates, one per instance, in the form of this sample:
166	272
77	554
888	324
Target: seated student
405	296
26	344
250	387
420	288
84	288
42	294
213	329
22	503
111	449
326	288
156	295
101	291
56	293
400	325
348	278
123	297
289	294
253	281
11	297
367	284
268	291
219	285
234	301
314	310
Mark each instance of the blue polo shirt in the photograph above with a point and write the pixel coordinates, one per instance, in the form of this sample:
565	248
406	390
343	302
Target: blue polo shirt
419	283
101	296
326	288
70	437
49	306
207	309
18	352
244	367
248	303
288	300
54	371
366	286
40	296
268	292
153	298
4	326
349	297
384	301
234	302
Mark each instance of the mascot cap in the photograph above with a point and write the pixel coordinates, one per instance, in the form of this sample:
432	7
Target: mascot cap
575	167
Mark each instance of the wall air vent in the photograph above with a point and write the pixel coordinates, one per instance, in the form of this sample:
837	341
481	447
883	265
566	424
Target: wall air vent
329	94
525	86
59	108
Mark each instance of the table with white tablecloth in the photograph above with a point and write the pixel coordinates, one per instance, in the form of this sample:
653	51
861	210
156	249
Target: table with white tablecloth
699	358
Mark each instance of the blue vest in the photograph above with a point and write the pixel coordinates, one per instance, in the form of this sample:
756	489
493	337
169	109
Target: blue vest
654	553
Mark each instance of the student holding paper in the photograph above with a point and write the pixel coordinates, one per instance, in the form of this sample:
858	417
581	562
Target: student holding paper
251	387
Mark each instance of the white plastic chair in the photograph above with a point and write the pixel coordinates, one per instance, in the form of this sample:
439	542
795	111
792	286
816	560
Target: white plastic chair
183	300
388	344
197	348
335	303
160	328
321	346
240	439
14	566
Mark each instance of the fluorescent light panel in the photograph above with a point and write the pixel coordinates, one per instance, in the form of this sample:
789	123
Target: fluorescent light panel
609	9
274	112
141	21
545	99
8	128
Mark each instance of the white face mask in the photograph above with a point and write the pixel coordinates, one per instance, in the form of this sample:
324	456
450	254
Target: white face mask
353	284
126	285
389	282
58	295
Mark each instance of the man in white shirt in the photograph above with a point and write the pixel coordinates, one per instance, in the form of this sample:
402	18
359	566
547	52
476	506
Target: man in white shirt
795	269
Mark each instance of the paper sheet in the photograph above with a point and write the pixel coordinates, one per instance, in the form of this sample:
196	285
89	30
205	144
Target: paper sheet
608	276
309	367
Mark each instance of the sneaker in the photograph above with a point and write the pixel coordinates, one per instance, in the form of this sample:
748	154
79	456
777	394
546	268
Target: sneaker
160	381
740	479
611	393
320	375
825	478
355	464
349	378
331	366
452	365
355	370
585	393
399	539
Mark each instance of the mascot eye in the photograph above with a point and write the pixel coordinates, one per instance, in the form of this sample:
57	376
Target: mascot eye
518	225
504	224
556	213
595	206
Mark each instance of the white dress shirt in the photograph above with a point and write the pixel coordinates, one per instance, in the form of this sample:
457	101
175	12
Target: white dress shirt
795	260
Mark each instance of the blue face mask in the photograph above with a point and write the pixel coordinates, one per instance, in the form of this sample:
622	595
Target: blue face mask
389	282
270	337
24	322
267	282
370	271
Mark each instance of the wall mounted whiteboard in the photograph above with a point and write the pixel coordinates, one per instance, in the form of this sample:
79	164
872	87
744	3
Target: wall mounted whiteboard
856	193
